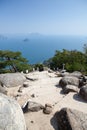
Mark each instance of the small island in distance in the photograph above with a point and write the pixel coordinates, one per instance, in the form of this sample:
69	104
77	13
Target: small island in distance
2	37
26	40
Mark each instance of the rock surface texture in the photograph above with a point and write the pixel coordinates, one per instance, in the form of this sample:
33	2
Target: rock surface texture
70	119
31	106
83	92
12	80
11	116
69	80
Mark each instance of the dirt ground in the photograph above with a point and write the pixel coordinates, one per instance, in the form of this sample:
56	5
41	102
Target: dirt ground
45	88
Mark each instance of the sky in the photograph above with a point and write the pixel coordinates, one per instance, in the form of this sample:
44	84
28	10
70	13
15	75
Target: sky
50	17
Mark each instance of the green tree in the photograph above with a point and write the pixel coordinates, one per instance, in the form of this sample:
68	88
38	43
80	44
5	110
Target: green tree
39	66
74	60
12	61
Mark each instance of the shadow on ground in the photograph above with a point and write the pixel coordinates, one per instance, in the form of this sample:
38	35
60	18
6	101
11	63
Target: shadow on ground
78	98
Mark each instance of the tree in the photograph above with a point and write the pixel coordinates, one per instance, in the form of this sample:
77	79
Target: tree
12	61
74	60
39	66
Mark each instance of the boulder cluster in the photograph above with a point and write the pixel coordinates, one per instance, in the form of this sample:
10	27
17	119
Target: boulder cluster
74	82
11	113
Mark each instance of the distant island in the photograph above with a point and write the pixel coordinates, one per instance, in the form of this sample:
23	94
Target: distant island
2	37
26	40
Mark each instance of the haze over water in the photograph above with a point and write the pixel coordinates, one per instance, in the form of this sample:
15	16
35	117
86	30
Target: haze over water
37	48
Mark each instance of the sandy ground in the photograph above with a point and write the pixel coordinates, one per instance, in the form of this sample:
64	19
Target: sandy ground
46	90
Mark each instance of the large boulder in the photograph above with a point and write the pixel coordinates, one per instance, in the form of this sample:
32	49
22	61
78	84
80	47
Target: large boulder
83	92
69	80
11	115
12	79
69	119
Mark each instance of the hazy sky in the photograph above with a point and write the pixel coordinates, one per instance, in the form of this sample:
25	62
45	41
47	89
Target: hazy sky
44	16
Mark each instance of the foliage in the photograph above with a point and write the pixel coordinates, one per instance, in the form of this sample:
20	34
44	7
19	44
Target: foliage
74	60
12	62
39	66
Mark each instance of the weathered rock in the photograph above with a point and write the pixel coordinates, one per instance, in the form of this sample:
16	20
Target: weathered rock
76	74
69	119
83	92
70	88
12	79
47	109
11	115
30	106
69	80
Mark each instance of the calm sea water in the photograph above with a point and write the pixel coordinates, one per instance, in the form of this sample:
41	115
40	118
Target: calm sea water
40	48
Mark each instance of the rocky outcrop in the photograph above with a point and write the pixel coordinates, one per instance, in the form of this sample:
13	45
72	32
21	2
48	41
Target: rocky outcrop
83	92
69	119
30	106
12	79
69	80
11	115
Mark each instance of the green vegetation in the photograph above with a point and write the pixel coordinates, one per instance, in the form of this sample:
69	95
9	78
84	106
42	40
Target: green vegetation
39	66
73	60
12	62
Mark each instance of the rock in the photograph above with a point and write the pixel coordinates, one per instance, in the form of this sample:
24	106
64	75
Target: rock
50	71
26	84
70	88
76	74
69	80
32	121
48	105
11	115
85	77
30	106
64	74
12	79
82	82
69	119
33	95
47	109
83	92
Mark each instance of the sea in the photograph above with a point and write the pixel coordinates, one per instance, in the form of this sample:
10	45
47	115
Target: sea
38	48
